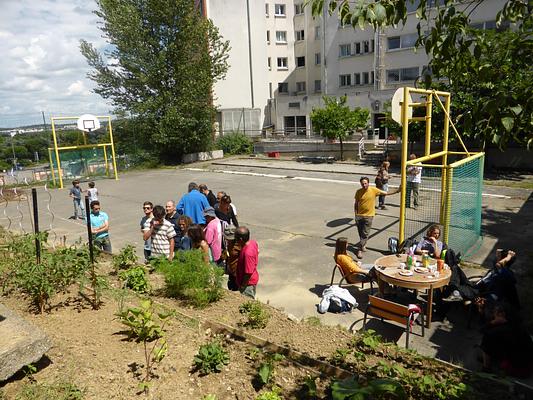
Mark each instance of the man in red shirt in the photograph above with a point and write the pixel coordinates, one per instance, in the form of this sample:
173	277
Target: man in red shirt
246	274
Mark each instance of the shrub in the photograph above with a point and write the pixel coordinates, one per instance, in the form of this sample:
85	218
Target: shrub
235	143
257	315
40	281
190	278
127	258
211	357
135	279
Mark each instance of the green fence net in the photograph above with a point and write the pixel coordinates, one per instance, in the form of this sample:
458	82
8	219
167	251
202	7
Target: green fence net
464	229
84	162
465	186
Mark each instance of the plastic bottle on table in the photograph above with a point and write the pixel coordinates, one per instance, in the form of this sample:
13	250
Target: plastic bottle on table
409	263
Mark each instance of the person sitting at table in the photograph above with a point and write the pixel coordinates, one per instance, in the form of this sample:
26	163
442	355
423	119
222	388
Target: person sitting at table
431	242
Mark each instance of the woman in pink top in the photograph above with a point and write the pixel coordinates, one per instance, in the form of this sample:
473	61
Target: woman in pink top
213	233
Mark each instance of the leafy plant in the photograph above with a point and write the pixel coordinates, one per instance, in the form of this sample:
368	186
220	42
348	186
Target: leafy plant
41	280
135	279
211	357
235	143
126	259
351	389
339	357
266	369
143	327
210	397
313	321
273	394
256	313
368	339
309	386
190	278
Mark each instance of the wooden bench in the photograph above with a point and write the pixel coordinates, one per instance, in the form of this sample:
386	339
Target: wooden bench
389	310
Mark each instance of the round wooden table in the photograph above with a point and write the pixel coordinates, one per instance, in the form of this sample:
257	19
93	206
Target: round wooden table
388	269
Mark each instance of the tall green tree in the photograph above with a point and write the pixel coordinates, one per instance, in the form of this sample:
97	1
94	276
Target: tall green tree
336	121
162	62
489	73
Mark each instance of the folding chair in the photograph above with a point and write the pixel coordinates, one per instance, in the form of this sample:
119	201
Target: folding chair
353	278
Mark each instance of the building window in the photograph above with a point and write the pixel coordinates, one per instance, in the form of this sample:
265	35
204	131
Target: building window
283	87
317	32
345	80
266	13
318	86
366	46
300	35
279	10
283	63
318	59
357	48
357	78
345	50
281	36
298	9
300	87
366	78
269	63
296	104
268	37
403	74
372	77
300	61
402	42
270	90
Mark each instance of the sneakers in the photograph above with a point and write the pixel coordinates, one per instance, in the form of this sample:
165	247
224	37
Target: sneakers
455	296
382	207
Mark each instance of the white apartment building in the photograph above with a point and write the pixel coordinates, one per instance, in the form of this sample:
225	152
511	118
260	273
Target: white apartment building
289	60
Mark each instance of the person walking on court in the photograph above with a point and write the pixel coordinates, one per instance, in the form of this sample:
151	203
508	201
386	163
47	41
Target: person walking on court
382	182
365	210
414	178
75	194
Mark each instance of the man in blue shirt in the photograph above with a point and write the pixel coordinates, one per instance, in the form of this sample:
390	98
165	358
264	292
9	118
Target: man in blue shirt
193	204
100	227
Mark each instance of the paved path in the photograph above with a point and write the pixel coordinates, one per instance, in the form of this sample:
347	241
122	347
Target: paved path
295	211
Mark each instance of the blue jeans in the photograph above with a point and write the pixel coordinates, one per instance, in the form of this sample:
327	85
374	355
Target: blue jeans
79	208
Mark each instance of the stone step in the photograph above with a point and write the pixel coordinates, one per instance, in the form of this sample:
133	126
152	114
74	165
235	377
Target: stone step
21	343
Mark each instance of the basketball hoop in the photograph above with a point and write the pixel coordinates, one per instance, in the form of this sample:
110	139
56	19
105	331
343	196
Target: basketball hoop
88	123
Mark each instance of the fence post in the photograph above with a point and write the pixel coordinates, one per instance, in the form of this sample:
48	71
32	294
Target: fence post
89	233
36	225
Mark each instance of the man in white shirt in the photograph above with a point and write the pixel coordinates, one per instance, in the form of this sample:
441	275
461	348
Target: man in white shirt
414	178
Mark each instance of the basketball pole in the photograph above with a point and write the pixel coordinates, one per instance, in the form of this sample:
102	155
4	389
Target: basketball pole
56	150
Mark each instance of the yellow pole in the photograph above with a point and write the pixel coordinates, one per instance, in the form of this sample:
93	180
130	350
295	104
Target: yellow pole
447	207
51	165
59	174
105	161
405	138
429	99
112	148
445	156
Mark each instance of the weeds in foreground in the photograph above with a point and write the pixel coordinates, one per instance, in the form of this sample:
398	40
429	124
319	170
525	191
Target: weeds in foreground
42	280
211	357
273	394
190	278
352	389
143	327
256	313
48	391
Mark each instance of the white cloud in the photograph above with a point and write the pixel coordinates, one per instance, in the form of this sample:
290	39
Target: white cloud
41	66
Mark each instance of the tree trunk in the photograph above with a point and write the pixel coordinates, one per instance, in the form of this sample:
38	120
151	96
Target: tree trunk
342	150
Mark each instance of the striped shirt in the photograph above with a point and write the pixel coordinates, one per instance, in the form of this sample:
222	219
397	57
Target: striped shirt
161	238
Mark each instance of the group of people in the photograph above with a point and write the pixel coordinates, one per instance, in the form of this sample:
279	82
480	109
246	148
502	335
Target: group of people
203	221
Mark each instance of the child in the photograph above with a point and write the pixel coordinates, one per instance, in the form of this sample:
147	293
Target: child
76	193
162	234
92	192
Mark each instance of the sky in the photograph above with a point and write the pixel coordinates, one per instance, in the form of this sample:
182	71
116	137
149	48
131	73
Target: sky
41	67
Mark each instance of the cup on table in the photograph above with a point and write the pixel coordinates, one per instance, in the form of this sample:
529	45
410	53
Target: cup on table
402	265
440	265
